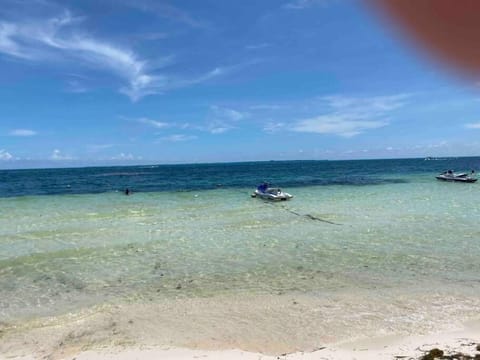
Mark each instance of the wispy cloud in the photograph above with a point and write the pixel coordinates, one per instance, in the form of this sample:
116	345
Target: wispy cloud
75	86
216	72
153	123
227	114
22	132
165	10
217	127
267	107
221	119
5	155
58	38
178	137
258	46
57	155
304	4
367	105
473	125
337	124
350	116
7	45
272	127
124	156
211	74
98	147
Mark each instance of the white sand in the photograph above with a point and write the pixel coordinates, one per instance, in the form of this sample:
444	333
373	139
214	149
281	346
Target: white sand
261	327
392	347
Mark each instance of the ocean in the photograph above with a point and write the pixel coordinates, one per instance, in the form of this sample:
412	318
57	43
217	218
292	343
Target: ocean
363	237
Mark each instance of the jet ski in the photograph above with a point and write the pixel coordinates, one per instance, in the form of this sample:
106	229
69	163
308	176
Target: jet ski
263	191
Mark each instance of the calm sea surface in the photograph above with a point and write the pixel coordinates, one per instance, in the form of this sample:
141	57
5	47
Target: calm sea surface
70	238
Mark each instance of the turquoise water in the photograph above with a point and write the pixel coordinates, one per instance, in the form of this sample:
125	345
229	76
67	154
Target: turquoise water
393	229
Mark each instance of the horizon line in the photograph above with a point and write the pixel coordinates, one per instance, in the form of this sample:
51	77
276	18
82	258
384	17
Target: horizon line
82	166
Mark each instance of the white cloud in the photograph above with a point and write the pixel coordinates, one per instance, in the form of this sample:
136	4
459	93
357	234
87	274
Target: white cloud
218	71
178	137
153	123
7	45
369	105
57	155
473	125
55	38
216	127
4	155
123	156
336	124
58	38
350	116
221	119
227	114
22	132
272	127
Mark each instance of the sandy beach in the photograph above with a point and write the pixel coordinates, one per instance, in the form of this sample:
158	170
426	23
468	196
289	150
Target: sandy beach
393	347
280	327
464	342
373	349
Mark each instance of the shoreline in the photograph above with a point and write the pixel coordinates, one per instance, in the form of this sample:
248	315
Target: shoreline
465	341
291	326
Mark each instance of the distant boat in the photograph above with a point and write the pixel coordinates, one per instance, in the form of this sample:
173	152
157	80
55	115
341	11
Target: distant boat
268	193
461	177
428	158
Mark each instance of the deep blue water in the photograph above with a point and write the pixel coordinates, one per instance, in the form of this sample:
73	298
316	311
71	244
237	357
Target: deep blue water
228	175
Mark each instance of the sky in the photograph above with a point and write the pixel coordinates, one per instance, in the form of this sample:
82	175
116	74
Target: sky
108	82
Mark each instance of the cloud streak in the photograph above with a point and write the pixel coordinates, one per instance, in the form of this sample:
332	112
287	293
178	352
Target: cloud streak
153	123
351	116
221	119
273	127
178	137
304	4
337	124
473	125
58	38
22	132
164	10
126	156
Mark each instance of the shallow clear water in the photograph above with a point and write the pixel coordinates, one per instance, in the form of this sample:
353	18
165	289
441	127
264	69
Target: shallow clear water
392	230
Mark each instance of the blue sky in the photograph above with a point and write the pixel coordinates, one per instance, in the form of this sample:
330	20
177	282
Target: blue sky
150	81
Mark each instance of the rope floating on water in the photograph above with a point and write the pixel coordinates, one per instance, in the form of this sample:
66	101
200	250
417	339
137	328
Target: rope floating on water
311	217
